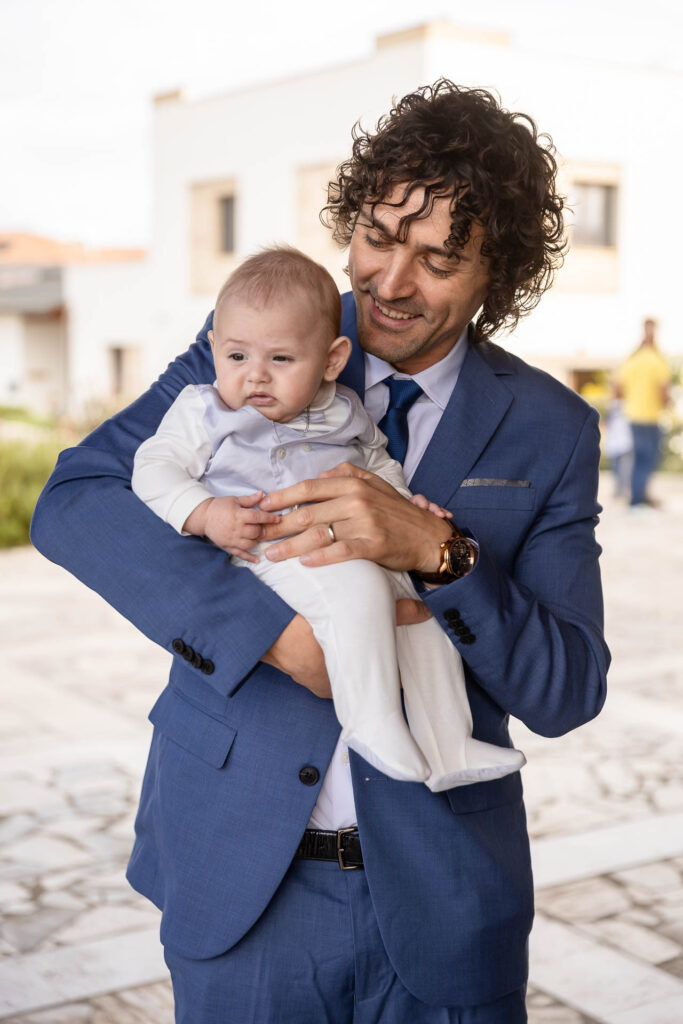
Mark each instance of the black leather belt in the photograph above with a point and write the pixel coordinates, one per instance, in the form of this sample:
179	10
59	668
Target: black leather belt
342	846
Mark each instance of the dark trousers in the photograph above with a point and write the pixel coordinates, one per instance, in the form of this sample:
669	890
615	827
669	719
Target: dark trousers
314	957
646	441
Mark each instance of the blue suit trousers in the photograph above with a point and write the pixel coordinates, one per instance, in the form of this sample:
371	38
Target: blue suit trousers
646	444
315	956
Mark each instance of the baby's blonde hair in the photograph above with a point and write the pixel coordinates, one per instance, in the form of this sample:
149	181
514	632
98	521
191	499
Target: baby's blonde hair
274	273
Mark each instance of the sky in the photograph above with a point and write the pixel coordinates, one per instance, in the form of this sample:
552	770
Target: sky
77	79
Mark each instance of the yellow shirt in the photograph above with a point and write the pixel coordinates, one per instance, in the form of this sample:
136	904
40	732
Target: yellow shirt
643	379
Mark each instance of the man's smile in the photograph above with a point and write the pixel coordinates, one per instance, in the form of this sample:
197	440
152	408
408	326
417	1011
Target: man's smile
380	313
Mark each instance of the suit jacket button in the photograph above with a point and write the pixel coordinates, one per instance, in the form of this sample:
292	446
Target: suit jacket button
197	660
309	775
451	615
188	653
460	629
469	638
207	666
178	645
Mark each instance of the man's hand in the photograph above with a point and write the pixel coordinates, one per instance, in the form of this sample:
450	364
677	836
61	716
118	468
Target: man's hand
298	654
368	517
234	524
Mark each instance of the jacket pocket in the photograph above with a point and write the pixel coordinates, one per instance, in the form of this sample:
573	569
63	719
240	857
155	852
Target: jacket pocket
483	796
191	728
500	496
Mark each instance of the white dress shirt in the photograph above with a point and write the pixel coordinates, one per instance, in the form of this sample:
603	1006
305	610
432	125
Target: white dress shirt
335	807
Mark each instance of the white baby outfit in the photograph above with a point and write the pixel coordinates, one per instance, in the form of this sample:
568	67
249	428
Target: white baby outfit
204	449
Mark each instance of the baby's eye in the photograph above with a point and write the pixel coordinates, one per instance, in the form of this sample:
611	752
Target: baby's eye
237	357
282	359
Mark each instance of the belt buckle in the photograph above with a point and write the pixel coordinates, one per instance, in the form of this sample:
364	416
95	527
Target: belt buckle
340	853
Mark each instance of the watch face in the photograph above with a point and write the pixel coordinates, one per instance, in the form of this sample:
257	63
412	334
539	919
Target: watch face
459	557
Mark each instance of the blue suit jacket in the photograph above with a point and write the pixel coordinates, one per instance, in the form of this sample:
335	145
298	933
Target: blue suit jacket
223	808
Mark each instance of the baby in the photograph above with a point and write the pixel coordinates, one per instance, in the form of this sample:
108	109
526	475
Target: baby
273	417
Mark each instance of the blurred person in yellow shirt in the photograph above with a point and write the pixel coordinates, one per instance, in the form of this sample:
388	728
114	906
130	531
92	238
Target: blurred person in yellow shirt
643	384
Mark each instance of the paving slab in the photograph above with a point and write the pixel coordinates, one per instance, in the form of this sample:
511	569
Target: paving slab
79	971
597	851
599	980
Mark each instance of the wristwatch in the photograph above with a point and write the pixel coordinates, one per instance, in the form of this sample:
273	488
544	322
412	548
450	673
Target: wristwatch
458	557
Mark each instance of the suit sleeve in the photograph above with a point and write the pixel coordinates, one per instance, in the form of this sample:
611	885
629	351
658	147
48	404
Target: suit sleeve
88	520
538	647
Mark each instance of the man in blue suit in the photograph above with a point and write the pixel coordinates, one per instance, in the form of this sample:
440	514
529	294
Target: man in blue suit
251	813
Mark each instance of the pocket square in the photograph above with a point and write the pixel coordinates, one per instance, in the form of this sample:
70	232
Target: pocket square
490	481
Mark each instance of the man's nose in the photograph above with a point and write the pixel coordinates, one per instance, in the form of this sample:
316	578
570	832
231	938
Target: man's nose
396	279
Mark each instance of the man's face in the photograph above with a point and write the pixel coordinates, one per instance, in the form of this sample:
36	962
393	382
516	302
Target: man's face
273	358
413	300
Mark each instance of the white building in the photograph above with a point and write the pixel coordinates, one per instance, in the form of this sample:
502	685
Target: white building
238	171
72	325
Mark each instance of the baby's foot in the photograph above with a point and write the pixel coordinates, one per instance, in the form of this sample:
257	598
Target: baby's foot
389	747
481	762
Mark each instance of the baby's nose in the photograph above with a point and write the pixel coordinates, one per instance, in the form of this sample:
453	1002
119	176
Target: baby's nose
258	371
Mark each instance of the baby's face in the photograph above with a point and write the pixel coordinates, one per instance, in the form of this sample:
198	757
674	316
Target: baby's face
273	358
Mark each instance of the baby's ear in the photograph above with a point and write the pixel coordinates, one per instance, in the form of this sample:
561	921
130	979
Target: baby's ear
337	357
210	337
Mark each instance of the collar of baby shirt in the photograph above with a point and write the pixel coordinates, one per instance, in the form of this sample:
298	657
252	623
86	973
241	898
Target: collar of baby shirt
324	414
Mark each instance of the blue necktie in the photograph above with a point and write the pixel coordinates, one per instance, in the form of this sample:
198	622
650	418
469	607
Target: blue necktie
402	395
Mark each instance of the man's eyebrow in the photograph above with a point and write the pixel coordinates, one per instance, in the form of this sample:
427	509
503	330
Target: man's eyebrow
436	250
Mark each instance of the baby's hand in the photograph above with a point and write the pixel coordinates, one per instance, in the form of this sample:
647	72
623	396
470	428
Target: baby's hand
429	506
236	525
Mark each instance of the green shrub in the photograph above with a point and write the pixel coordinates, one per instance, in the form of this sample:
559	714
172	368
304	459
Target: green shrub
15	414
24	468
672	451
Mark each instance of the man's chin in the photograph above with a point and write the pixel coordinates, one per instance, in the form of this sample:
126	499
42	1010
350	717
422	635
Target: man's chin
390	348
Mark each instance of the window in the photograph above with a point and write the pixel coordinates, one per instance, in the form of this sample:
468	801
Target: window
593	193
595	214
227	223
125	366
116	364
213	234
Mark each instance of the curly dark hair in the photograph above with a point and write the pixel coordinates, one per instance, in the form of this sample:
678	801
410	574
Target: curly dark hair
458	142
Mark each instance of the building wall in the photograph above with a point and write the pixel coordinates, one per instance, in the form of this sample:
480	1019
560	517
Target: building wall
109	316
33	361
45	362
11	359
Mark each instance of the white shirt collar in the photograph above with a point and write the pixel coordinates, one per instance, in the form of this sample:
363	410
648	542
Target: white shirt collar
325	396
437	381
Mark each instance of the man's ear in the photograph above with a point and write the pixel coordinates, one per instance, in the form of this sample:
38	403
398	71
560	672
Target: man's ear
337	357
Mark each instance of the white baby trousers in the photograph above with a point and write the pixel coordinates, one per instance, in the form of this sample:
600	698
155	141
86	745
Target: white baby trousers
351	607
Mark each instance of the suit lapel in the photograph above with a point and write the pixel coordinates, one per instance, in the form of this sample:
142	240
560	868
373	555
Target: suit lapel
479	402
353	374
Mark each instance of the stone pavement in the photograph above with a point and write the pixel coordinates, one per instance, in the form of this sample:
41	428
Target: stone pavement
605	803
